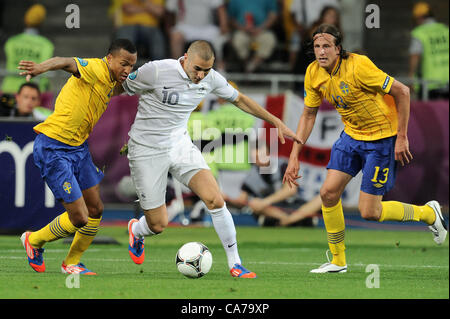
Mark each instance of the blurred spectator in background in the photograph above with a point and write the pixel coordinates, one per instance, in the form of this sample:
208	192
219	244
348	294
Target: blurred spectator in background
328	15
24	104
270	207
191	20
257	185
28	45
429	52
252	21
140	23
305	14
269	200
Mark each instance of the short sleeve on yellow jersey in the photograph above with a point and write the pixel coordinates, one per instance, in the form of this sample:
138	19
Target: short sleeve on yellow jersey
371	78
87	69
312	98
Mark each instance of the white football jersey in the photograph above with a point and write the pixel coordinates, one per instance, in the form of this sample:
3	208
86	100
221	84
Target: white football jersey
167	98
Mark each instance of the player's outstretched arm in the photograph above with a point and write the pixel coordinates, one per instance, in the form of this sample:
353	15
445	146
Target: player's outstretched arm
401	94
250	106
31	69
304	129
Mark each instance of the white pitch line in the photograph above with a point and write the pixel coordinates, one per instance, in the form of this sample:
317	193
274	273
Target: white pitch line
357	264
251	262
57	250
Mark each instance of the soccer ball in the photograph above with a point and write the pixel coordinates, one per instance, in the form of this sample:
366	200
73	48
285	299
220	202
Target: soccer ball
194	260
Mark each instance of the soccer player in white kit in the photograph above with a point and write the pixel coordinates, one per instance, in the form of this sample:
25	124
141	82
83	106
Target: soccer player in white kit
159	143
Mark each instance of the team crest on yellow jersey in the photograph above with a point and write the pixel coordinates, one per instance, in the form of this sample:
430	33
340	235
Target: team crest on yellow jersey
344	87
67	187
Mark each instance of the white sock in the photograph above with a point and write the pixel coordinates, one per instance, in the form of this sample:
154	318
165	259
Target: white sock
141	229
224	226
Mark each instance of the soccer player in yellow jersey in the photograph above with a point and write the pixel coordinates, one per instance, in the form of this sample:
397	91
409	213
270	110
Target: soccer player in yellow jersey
374	138
61	152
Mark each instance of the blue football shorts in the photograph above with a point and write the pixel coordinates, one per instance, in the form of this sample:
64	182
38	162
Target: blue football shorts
67	170
376	159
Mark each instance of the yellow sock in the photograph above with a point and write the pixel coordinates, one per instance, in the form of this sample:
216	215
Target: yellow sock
60	227
333	218
82	240
402	212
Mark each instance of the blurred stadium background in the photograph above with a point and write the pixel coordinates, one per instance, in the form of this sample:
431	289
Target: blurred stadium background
25	204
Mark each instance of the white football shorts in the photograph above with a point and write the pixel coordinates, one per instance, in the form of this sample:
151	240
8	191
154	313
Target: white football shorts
149	168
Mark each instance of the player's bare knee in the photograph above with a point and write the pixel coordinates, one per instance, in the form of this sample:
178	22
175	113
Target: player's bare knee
369	213
328	197
214	202
78	219
96	211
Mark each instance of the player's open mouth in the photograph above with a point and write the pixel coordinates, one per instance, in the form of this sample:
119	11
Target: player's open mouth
322	59
123	77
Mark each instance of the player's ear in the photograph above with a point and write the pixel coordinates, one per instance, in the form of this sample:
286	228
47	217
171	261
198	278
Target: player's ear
109	57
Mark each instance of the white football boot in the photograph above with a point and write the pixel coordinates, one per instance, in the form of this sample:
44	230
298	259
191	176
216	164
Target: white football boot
329	267
439	228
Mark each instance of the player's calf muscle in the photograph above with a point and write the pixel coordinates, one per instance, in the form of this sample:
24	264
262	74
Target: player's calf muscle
157	219
157	228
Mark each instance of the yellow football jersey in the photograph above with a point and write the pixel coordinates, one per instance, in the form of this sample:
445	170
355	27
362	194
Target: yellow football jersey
143	18
80	103
356	88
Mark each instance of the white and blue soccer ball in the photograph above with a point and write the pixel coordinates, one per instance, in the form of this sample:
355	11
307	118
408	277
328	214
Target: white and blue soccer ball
194	260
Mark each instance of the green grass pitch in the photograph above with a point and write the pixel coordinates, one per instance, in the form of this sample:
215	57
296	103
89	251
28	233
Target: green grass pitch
410	266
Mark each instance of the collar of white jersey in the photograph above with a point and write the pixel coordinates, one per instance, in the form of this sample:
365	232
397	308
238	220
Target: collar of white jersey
180	68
